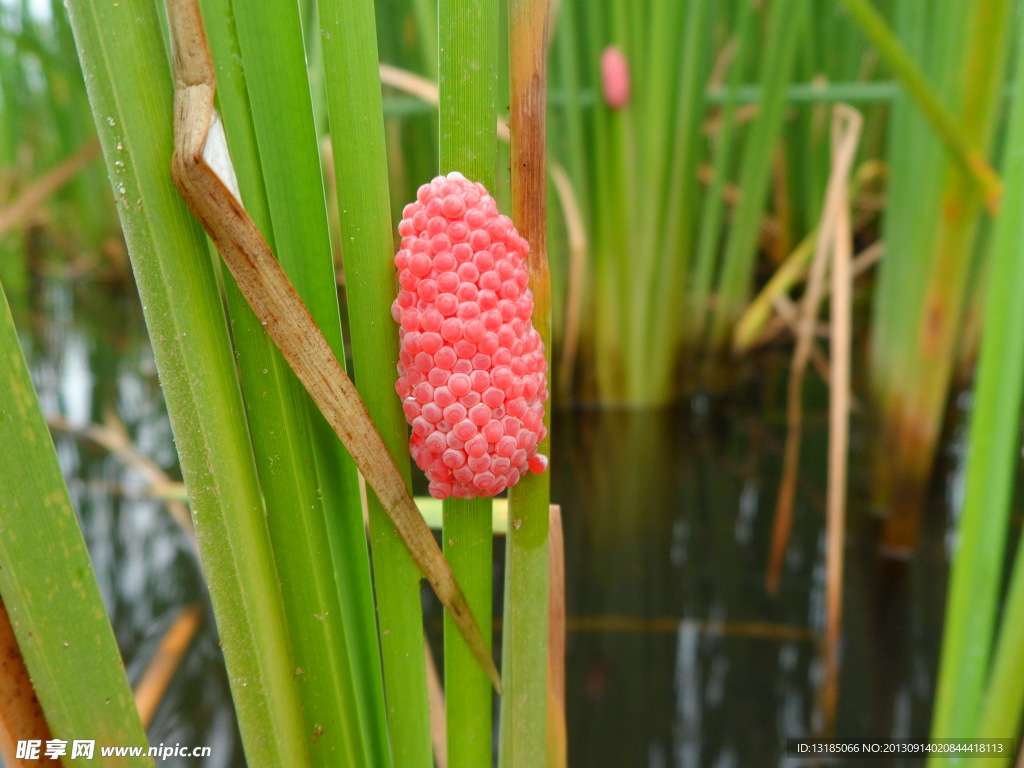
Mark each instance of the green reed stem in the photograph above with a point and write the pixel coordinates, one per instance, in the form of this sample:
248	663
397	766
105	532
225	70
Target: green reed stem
468	547
933	218
47	584
468	86
915	179
523	737
682	195
286	428
957	140
278	132
360	163
468	83
785	26
1004	696
972	611
122	55
698	296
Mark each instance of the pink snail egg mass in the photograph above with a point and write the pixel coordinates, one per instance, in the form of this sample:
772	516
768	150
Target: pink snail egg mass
472	364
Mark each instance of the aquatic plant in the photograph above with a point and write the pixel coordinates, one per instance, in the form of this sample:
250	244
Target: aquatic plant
694	134
979	692
930	284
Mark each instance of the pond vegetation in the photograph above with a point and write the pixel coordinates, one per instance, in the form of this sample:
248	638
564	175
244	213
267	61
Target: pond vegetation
784	358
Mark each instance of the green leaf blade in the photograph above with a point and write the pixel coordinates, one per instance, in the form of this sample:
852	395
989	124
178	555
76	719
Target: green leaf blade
47	583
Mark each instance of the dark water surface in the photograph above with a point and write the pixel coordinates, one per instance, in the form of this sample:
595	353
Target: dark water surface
676	656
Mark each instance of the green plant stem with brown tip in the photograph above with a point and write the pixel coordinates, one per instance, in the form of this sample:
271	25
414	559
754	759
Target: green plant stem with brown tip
934	215
957	140
979	687
523	736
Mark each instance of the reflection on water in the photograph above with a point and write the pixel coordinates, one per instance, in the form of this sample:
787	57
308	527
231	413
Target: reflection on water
676	655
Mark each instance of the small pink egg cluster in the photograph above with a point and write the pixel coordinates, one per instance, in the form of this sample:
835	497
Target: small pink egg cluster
615	79
471	366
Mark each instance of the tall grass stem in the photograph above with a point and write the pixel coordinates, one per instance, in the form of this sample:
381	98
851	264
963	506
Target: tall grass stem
467	95
972	610
523	740
361	178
